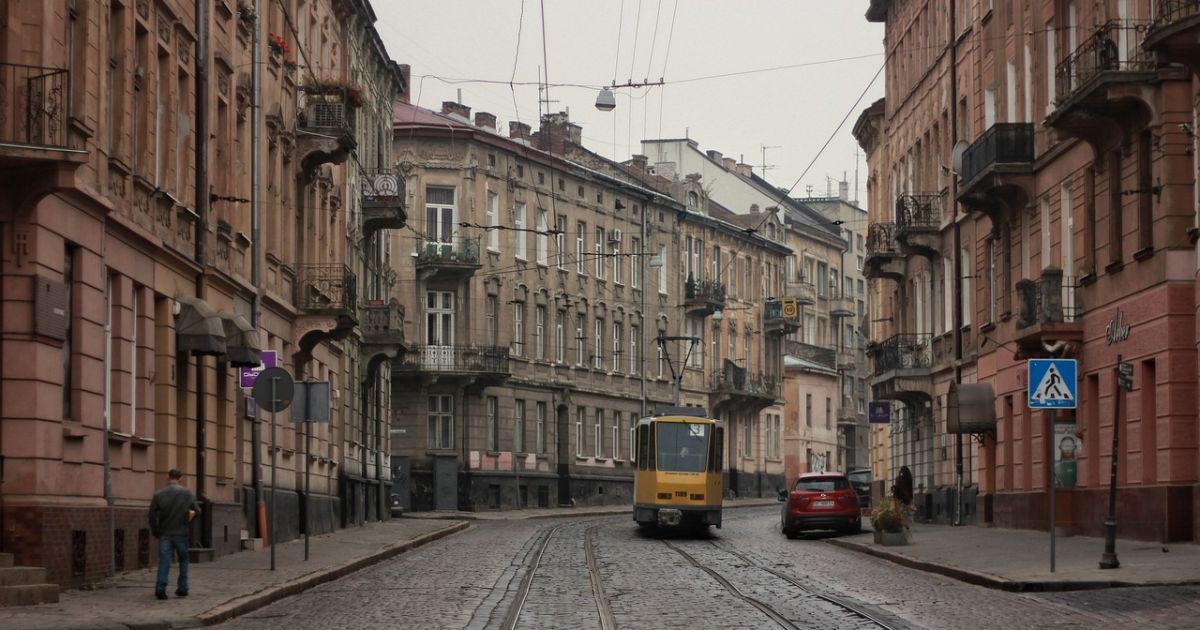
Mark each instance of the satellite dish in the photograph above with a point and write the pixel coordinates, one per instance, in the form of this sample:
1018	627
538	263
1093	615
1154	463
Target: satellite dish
956	156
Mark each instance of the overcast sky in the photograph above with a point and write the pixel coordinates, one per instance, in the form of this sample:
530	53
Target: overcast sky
794	109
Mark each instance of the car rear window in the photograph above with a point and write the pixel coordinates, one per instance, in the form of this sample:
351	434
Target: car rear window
822	484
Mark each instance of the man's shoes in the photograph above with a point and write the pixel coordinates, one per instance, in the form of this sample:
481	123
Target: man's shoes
160	594
180	593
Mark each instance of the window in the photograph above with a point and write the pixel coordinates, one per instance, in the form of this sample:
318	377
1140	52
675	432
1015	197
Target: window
967	271
822	279
439	319
808	409
518	329
661	360
441	422
632	438
662	269
539	331
490	319
1051	61
716	263
559	338
635	270
694	327
698	258
541	179
543	238
947	295
860	263
562	184
541	427
992	296
746	350
580	414
599	435
618	277
581	192
860	242
599	246
560	241
439	219
492	435
519	233
635	349
493	217
598	356
68	340
580	246
616	435
687	258
618	337
109	305
519	427
492	160
133	362
747	436
580	337
828	413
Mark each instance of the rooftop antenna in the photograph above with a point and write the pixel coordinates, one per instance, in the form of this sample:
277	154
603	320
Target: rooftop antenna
828	186
765	166
809	188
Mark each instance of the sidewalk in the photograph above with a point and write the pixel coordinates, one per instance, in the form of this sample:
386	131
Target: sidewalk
568	512
1019	560
231	585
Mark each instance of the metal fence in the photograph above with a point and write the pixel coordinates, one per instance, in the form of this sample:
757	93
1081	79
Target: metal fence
33	105
739	381
463	359
456	250
1113	46
919	211
381	188
708	290
383	321
326	288
905	351
1003	143
881	239
1172	10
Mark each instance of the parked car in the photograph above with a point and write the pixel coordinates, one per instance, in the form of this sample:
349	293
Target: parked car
821	501
860	479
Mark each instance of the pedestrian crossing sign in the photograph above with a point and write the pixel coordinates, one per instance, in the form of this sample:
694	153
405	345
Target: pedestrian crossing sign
1052	384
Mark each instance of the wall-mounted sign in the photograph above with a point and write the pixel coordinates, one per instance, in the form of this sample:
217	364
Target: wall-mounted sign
879	412
1117	330
247	375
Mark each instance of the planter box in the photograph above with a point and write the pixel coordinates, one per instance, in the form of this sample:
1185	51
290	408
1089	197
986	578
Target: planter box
888	539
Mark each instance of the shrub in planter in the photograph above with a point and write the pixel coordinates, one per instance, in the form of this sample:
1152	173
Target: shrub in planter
891	517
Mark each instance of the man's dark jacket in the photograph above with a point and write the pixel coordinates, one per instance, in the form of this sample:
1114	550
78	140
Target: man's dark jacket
168	511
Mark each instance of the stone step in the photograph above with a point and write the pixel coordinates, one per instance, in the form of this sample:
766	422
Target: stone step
202	554
28	595
22	576
7	560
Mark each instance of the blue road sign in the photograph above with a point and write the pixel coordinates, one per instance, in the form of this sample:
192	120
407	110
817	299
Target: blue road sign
1053	384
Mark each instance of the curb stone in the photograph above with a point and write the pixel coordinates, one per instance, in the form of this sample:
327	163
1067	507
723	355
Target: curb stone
993	582
254	601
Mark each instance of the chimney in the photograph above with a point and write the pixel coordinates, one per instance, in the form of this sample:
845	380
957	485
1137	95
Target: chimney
753	208
639	161
485	120
406	75
556	131
451	108
744	169
518	130
715	155
844	190
729	164
665	170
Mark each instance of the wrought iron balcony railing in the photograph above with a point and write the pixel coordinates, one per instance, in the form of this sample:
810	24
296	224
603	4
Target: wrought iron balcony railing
1113	47
705	290
326	289
919	212
1051	299
480	360
781	311
457	251
33	106
1003	143
382	200
903	352
1174	10
738	381
881	239
329	112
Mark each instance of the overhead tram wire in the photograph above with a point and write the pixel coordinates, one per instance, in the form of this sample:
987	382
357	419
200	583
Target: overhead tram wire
666	57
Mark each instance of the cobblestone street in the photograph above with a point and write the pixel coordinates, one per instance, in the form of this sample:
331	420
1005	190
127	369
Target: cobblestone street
602	572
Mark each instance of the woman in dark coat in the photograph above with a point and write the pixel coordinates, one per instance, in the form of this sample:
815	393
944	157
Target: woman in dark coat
903	490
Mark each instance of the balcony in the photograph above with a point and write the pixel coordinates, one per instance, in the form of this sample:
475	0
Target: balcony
803	291
382	333
382	201
456	258
918	224
703	297
842	306
33	128
846	361
1174	35
1049	313
480	364
997	169
1099	84
326	125
734	386
902	369
781	316
848	416
327	290
884	259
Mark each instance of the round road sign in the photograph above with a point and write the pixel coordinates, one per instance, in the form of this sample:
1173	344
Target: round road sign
285	388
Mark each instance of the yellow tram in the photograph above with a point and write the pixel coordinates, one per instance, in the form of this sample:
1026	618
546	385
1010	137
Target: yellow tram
680	457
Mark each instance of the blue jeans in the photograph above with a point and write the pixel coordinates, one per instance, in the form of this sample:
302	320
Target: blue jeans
168	546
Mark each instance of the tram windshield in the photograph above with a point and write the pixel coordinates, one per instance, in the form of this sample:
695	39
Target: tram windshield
682	446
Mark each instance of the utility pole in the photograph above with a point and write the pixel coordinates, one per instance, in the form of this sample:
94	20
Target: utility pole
958	272
256	257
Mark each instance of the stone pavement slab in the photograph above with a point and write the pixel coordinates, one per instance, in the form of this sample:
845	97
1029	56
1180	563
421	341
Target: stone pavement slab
1019	560
565	512
231	585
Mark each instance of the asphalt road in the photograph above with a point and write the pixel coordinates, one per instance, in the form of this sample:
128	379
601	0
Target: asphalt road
605	573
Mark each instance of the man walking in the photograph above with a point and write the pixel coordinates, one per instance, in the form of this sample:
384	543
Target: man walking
172	508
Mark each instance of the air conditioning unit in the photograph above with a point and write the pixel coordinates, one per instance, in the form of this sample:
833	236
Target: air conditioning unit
614	236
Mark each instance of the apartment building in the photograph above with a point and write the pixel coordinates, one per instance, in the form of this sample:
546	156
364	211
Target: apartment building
152	255
1069	208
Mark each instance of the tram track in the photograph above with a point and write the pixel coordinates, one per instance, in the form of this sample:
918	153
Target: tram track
765	609
603	606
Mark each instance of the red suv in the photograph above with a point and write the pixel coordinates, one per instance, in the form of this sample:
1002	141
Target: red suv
821	501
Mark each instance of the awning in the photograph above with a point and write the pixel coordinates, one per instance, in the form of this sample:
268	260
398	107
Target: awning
242	348
970	408
198	328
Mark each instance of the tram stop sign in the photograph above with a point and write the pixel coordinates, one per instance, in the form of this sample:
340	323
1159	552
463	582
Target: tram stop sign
284	388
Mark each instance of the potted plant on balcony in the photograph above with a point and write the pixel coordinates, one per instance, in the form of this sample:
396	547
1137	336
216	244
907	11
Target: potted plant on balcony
278	47
331	89
246	16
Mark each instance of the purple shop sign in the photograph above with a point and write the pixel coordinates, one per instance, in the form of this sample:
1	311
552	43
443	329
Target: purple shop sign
247	375
879	412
